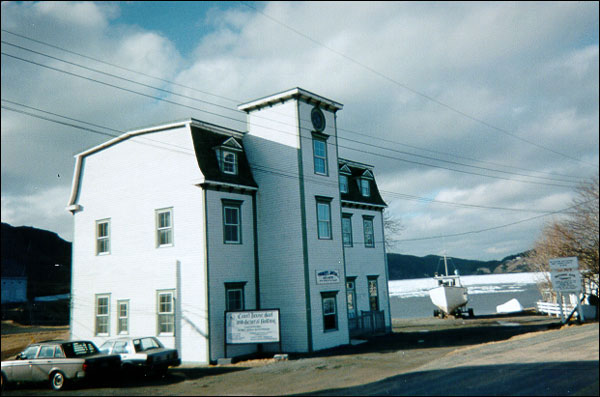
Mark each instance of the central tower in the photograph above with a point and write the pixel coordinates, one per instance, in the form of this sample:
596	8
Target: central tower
292	148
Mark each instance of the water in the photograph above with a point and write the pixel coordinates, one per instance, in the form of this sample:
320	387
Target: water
410	298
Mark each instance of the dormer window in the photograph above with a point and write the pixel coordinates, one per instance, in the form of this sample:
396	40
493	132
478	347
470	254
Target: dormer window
365	187
343	184
229	162
227	155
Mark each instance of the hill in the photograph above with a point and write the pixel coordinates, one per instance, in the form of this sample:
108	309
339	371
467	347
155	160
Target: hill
408	266
40	255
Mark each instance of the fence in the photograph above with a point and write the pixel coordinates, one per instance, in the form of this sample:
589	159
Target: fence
553	309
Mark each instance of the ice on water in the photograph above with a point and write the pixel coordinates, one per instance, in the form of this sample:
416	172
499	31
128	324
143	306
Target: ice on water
481	284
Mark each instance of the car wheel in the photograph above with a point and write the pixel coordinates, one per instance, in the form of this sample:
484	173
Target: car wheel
58	380
4	383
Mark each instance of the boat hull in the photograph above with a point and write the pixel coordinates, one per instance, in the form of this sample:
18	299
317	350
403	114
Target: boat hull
449	298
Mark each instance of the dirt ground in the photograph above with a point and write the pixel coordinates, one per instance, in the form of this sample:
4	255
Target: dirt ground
370	367
16	337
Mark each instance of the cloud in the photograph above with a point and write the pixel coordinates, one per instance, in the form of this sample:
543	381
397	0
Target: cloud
455	82
44	208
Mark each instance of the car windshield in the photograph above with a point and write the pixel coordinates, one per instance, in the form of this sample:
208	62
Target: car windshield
105	348
79	349
144	344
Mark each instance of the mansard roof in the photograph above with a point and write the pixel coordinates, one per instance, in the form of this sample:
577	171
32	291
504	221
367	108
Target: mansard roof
205	142
354	196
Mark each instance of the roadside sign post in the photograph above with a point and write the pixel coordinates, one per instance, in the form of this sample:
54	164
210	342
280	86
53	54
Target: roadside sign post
565	277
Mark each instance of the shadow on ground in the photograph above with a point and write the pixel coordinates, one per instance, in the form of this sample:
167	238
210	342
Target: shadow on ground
449	337
174	376
536	379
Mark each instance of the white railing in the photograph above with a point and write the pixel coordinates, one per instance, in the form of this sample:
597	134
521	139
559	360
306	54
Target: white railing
553	309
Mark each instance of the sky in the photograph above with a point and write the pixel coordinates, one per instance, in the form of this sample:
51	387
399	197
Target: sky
480	118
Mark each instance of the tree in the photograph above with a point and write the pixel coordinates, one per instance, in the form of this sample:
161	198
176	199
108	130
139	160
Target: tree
574	235
392	227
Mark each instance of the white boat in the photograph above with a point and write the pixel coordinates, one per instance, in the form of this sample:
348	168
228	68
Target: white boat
450	294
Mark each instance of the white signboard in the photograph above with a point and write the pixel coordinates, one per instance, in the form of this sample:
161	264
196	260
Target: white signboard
258	326
328	277
564	274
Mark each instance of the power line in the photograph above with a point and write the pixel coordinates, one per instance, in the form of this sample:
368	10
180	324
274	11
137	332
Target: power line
235	110
341	146
496	227
116	66
256	167
453	109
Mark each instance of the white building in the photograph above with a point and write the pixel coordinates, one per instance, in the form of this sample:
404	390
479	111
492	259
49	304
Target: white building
176	224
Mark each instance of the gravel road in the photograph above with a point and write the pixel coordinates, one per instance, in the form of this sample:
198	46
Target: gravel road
525	355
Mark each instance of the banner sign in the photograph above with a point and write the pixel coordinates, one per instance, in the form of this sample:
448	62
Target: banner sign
564	274
328	277
252	326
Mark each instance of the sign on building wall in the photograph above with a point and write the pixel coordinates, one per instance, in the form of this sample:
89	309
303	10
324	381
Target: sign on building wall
252	326
565	276
328	276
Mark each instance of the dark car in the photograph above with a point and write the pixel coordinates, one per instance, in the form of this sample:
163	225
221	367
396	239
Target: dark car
60	362
145	355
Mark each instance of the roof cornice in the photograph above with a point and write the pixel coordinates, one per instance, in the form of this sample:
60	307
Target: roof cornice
294	93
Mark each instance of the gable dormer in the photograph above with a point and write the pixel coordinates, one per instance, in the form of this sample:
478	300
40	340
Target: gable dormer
228	156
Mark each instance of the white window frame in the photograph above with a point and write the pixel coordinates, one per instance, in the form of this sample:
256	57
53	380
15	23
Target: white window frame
229	167
365	187
104	316
122	318
343	183
164	229
367	221
348	218
237	206
169	315
317	157
103	240
234	287
327	204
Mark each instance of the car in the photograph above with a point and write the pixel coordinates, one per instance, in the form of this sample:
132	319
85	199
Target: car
145	355
60	362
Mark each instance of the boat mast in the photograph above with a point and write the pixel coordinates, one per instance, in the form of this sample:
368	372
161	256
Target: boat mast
445	264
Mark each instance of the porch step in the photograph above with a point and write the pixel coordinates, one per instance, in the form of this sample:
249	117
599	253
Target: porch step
355	342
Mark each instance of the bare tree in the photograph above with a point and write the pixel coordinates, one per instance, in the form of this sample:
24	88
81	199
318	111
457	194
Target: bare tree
392	227
574	235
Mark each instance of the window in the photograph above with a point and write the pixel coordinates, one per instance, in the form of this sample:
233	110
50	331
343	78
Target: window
102	314
329	302
324	219
234	296
365	187
166	313
164	227
320	155
347	230
351	293
232	221
229	162
46	352
368	231
29	353
373	301
343	184
122	317
103	237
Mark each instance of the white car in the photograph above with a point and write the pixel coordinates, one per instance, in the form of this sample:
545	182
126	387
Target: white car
145	354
